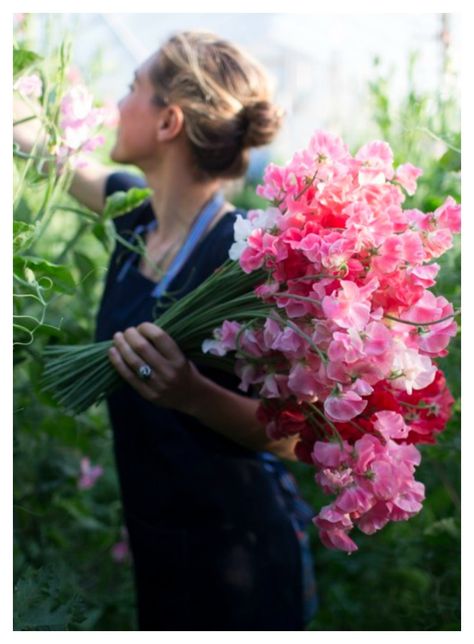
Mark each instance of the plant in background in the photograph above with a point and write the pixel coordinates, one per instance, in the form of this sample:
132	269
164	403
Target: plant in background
62	533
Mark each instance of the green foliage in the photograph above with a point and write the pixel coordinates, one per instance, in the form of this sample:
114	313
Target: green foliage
23	60
121	202
64	573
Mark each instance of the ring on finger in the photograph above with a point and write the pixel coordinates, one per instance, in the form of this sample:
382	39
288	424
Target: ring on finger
144	372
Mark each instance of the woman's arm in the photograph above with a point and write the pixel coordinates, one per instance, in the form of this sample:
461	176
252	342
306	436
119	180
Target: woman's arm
88	183
235	417
175	382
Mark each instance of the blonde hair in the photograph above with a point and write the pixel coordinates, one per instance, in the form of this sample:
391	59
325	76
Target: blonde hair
225	97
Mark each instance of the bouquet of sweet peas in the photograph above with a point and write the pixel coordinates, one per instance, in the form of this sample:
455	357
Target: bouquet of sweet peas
329	317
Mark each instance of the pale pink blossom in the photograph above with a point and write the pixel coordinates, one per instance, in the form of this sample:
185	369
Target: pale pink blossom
120	551
303	382
448	215
406	175
348	307
344	406
411	369
88	474
377	162
224	339
29	85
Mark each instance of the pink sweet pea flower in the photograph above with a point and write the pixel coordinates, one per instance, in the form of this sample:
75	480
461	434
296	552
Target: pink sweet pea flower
326	145
433	338
437	242
366	449
406	175
375	518
390	424
29	85
347	307
344	406
224	339
330	454
120	551
89	474
354	499
377	162
408	502
413	251
303	382
448	215
337	540
424	275
76	105
385	483
389	255
333	480
330	518
366	227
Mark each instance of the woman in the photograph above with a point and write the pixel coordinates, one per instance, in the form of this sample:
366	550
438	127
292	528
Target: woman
216	525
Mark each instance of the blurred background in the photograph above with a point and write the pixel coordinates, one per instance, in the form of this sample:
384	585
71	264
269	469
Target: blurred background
387	76
321	65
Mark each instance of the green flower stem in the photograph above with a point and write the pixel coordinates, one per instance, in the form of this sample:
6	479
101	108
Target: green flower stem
448	317
328	422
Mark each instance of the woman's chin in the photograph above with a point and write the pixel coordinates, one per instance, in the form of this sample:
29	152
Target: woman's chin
116	155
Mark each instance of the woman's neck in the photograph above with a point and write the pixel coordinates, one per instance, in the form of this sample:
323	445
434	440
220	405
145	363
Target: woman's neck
177	198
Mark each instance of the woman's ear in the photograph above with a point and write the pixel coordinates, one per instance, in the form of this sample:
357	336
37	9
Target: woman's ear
170	123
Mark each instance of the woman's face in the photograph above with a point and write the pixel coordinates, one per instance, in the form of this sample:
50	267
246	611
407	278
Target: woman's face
136	141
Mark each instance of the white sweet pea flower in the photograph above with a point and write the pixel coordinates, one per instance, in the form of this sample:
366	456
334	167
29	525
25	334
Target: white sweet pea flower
243	227
416	371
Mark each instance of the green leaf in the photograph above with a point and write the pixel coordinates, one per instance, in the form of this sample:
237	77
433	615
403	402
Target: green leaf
450	161
23	235
447	526
81	514
60	277
46	599
22	59
103	234
121	202
48	330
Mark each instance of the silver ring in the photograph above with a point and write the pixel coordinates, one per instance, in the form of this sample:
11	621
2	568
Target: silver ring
144	372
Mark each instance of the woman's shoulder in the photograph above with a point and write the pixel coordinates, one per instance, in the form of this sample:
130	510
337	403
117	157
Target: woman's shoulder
120	180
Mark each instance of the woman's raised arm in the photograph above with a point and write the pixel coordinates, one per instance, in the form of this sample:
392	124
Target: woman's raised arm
88	183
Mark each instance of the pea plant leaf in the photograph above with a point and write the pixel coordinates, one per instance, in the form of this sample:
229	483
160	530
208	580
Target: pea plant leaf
23	59
58	276
122	202
23	235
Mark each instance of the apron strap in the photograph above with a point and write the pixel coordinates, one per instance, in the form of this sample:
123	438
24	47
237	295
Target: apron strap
206	215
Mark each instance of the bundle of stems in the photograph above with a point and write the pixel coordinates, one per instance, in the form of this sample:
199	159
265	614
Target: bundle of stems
79	376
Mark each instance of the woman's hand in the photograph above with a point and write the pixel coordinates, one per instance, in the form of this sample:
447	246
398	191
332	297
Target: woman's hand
173	377
176	383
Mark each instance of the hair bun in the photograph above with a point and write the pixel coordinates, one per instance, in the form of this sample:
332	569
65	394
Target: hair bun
262	120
